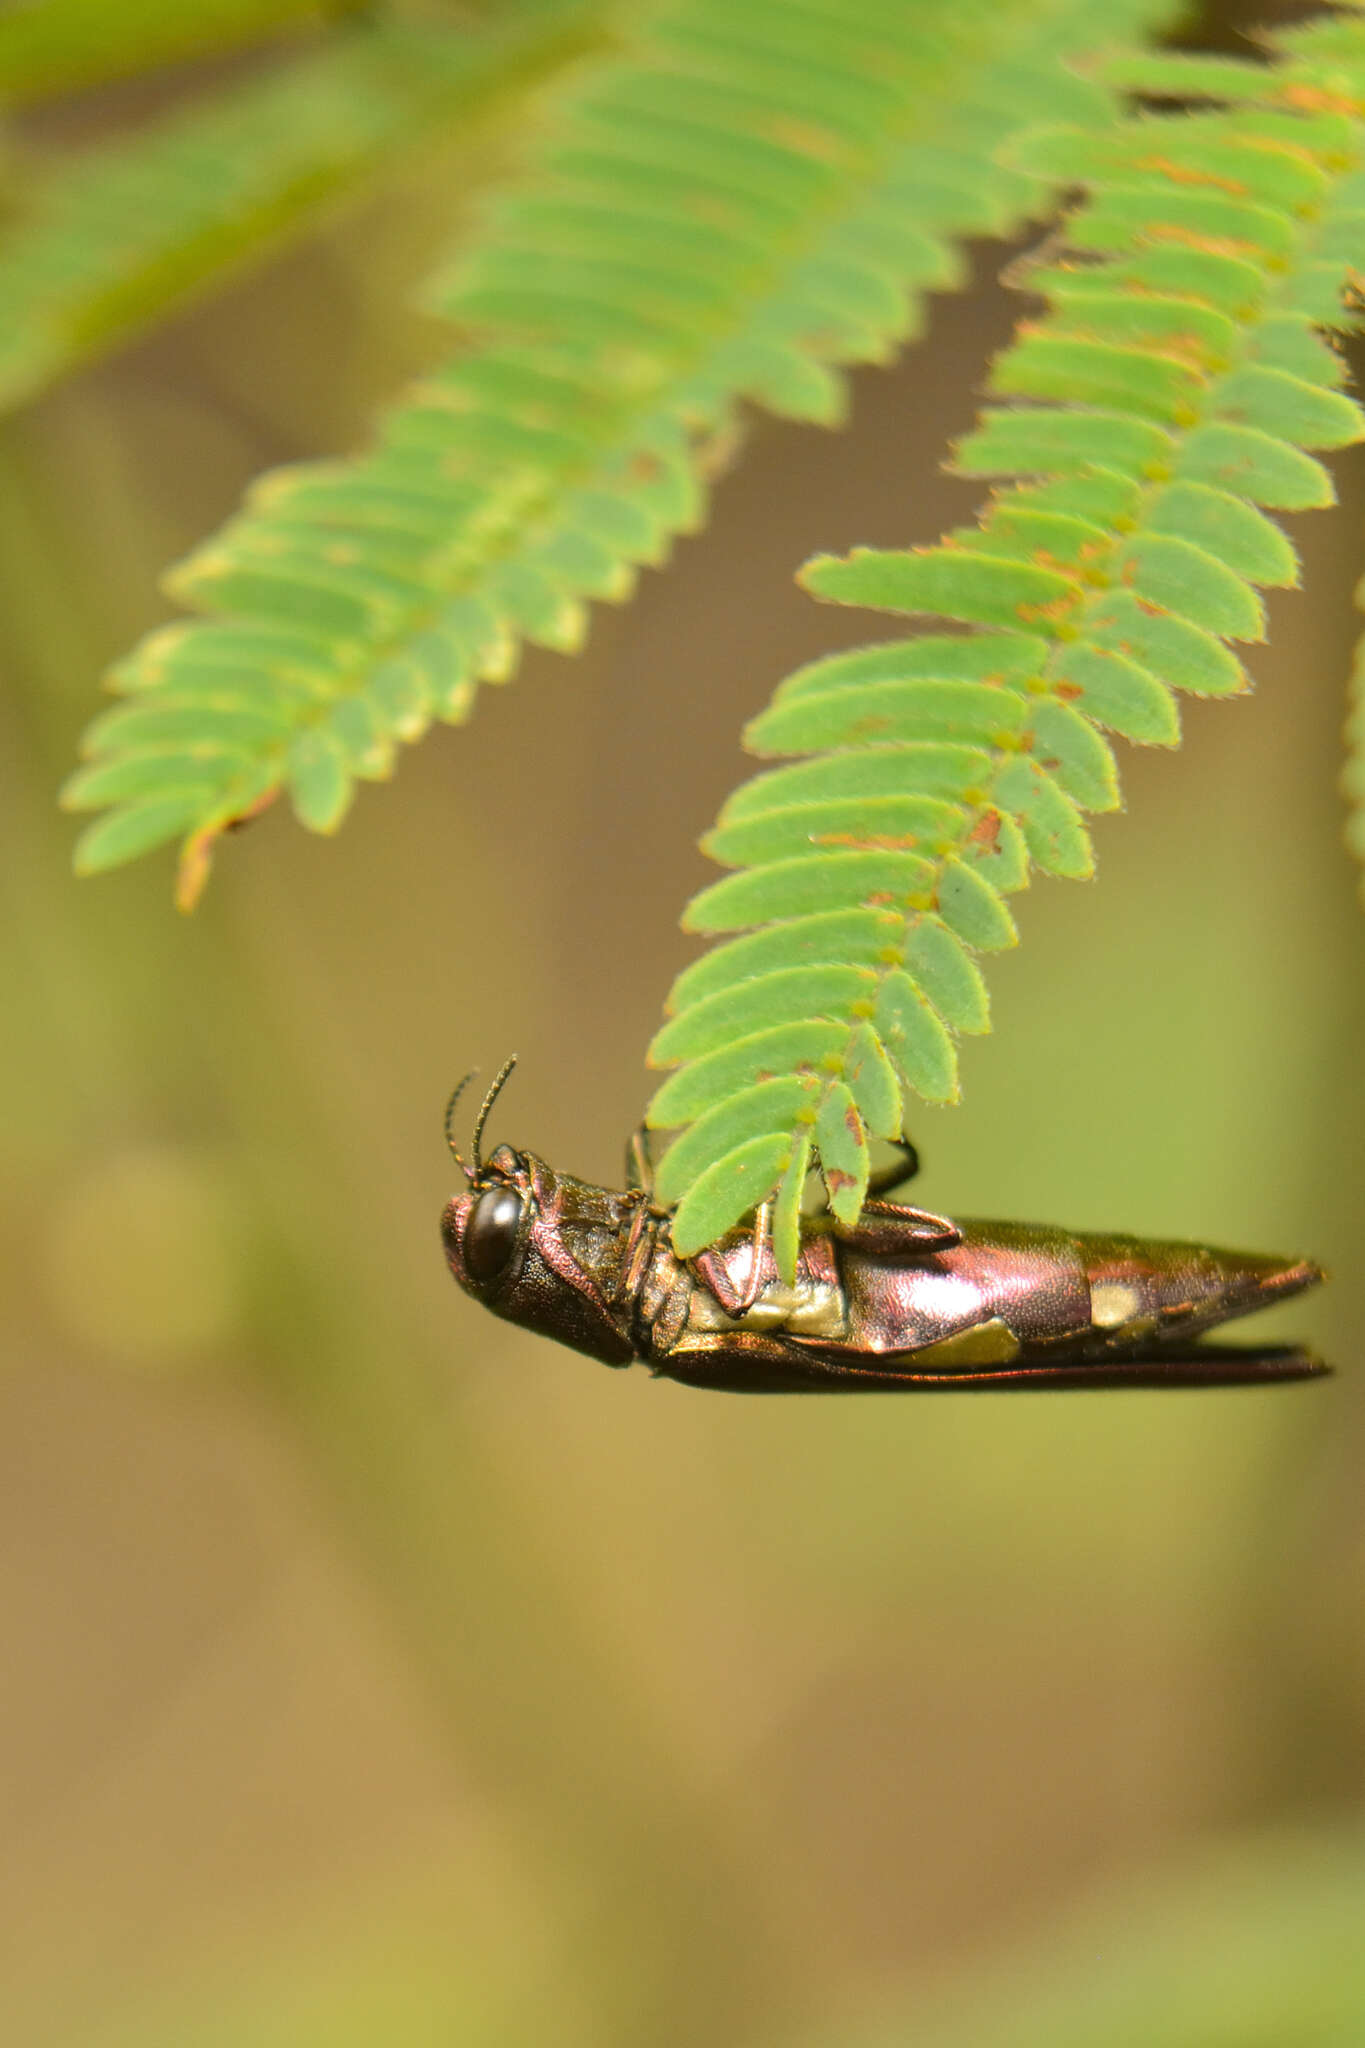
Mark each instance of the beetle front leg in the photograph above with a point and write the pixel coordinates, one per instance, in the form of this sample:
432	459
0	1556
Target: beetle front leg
639	1164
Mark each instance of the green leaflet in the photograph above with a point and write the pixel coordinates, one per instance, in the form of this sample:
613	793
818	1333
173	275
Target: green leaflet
1022	531
996	852
1121	694
1040	443
917	768
898	823
1053	828
731	1185
933	657
872	1082
134	828
1147	385
131	777
943	968
1288	407
829	937
1253	464
787	994
795	888
1196	337
863	713
784	1049
915	1040
753	1112
728	206
1174	386
970	906
1068	746
1173	575
844	1159
787	1208
1185	656
1227	528
954	585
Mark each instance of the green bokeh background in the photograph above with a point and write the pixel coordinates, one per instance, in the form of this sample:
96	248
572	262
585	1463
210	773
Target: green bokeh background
374	1672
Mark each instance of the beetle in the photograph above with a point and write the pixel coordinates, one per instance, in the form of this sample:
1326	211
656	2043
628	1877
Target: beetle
903	1300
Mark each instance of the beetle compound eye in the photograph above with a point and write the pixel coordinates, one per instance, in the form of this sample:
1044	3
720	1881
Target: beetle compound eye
491	1233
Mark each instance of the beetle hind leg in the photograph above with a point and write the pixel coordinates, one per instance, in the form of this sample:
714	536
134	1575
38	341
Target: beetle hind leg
895	1171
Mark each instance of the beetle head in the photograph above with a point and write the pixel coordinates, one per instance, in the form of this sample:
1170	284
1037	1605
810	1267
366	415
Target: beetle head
537	1248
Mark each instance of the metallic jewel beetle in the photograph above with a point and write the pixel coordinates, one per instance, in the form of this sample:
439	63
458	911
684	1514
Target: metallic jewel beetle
905	1300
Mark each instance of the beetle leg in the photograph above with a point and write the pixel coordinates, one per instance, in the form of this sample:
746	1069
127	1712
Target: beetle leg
755	1279
897	1170
639	1165
891	1176
635	1250
889	1228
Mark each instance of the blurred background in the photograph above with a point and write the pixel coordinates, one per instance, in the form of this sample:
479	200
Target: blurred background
373	1671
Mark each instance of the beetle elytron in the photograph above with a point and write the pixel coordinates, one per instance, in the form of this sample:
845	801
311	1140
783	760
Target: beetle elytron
904	1300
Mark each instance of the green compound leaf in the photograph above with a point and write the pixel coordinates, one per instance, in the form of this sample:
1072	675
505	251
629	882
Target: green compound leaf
1173	387
650	273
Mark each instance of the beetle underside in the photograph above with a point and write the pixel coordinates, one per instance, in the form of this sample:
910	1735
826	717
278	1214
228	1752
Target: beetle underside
903	1300
1008	1305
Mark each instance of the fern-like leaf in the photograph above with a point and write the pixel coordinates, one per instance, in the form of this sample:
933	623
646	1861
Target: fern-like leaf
1170	394
747	200
108	241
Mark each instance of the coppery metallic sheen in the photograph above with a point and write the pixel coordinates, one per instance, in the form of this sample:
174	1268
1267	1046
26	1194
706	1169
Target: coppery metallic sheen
906	1300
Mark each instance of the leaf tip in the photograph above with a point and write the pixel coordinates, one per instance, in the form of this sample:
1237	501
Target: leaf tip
812	574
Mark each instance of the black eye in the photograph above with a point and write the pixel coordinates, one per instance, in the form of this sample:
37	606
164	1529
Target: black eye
490	1235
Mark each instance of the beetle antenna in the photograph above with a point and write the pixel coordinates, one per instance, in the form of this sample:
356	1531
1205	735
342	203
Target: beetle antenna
456	1093
482	1118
